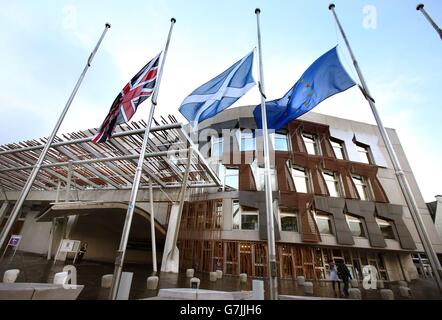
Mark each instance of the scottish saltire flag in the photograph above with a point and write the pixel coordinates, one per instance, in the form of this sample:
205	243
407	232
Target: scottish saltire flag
139	88
220	92
324	78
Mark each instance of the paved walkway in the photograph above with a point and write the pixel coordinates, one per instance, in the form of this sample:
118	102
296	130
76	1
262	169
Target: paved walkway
38	269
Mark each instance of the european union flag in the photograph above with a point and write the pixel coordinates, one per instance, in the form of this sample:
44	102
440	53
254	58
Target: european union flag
324	78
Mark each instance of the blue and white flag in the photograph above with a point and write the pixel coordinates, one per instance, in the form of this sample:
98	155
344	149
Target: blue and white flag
324	78
220	92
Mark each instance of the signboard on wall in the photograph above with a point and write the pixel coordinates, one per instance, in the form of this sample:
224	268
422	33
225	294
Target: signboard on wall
14	241
67	245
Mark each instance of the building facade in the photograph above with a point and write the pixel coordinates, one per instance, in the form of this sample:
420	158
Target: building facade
335	195
335	198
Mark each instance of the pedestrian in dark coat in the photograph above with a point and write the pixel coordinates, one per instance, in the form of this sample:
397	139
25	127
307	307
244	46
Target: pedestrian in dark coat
345	276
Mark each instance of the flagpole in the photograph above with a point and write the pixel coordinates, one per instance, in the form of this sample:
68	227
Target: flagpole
27	187
409	197
420	7
273	281
133	196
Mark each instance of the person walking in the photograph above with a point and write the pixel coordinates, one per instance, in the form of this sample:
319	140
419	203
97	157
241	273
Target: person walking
81	252
345	275
334	278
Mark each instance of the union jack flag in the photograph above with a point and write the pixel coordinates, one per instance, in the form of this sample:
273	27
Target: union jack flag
139	88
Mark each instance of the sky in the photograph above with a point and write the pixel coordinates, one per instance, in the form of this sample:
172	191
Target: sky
45	44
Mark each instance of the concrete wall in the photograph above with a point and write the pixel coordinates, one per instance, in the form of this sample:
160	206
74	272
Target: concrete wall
35	235
438	218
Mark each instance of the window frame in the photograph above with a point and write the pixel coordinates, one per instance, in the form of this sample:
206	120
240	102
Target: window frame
365	187
273	137
249	213
341	146
324	216
226	175
219	214
352	219
258	173
306	177
287	212
237	221
363	148
219	140
336	182
235	203
383	222
243	133
315	142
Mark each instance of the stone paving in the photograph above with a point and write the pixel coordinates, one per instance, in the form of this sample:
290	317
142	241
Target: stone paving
36	268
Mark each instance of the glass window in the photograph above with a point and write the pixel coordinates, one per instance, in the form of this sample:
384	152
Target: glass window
231	178
261	183
217	147
364	153
338	148
332	182
280	141
244	218
362	187
355	225
311	143
323	222
249	221
386	228
289	219
236	214
300	178
247	141
218	213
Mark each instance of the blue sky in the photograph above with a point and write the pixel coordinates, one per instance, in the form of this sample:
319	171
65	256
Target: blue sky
44	46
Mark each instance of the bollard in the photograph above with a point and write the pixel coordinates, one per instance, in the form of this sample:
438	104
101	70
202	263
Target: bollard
213	276
387	294
257	290
354	293
106	281
152	283
190	273
308	288
195	283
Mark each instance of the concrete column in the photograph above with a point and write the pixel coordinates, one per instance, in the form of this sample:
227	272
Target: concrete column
438	216
227	214
171	264
3	210
70	224
71	220
51	239
54	224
